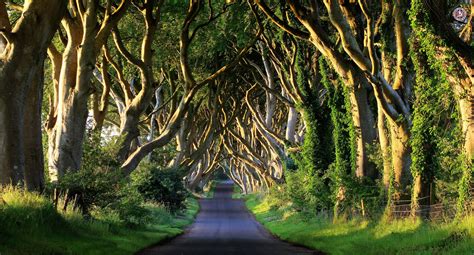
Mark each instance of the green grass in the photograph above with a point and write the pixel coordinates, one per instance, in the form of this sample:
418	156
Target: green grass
237	192
209	189
29	224
364	237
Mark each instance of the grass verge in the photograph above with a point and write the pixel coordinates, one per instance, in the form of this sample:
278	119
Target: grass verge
237	194
209	189
364	237
29	224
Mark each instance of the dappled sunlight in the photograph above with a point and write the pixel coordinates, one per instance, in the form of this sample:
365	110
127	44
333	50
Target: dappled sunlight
343	228
407	236
401	226
57	231
344	126
16	197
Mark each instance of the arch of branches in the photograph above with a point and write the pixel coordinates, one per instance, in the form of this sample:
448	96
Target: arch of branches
344	93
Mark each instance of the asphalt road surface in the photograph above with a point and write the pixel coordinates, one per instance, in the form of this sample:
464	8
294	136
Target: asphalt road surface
225	226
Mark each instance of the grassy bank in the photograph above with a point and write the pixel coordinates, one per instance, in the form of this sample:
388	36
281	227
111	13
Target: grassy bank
237	192
209	189
29	224
364	237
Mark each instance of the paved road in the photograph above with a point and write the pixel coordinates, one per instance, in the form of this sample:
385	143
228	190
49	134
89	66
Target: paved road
225	226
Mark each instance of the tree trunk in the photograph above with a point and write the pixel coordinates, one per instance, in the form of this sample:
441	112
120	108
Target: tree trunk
12	158
165	137
384	147
270	102
181	143
153	120
73	108
466	106
129	122
363	120
401	159
421	195
128	131
291	124
20	64
72	115
33	142
67	84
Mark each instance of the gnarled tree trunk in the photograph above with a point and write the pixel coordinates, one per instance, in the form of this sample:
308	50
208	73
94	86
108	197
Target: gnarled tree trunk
66	85
66	153
21	64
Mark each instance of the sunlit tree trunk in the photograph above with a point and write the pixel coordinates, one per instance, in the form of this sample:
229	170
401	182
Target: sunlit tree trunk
73	110
100	102
66	85
384	147
466	105
401	158
292	120
181	141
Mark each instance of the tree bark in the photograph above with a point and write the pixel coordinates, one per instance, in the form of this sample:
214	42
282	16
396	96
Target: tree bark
66	85
363	121
33	144
384	147
165	137
291	124
466	106
20	63
401	159
73	109
73	112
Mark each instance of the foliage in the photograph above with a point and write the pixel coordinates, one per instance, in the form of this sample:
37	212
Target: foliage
361	236
99	189
308	186
436	133
21	210
344	187
97	182
210	187
163	186
31	225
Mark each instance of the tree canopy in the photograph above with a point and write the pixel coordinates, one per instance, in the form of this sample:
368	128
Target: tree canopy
328	102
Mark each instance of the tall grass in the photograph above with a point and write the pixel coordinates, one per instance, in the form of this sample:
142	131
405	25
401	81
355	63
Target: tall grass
359	236
26	211
30	224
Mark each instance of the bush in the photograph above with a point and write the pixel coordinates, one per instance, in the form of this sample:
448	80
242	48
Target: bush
100	188
164	186
90	188
130	207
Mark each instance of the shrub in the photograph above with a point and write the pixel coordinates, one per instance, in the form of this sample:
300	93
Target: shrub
89	189
163	186
130	207
99	188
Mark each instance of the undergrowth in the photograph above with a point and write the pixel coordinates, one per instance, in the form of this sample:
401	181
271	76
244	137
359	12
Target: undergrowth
359	236
30	224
